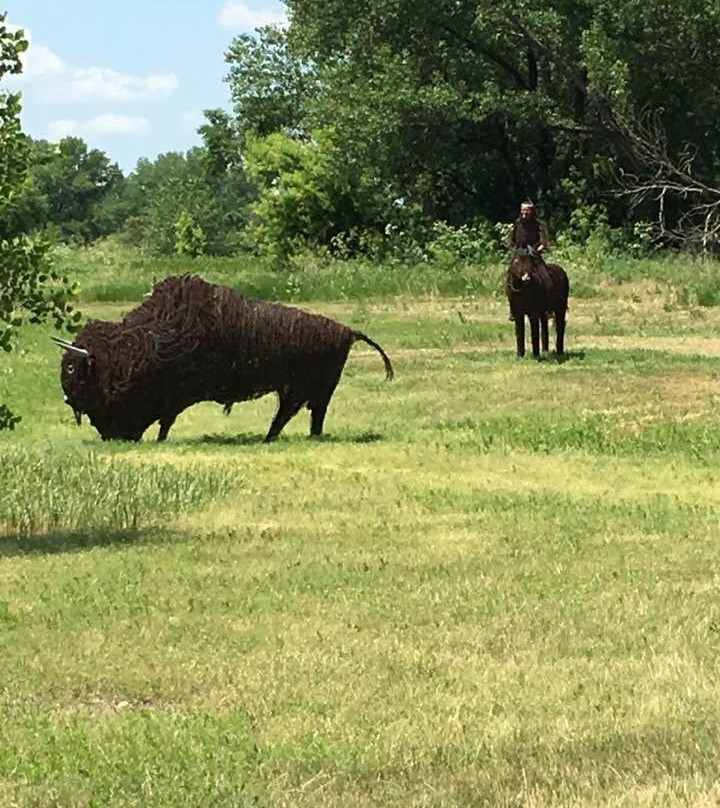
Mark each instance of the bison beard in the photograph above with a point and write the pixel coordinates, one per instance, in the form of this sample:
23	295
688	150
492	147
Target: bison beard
195	341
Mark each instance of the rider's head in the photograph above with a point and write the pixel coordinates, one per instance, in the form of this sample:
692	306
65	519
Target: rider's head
527	210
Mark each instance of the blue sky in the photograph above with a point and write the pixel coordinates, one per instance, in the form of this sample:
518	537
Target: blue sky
131	77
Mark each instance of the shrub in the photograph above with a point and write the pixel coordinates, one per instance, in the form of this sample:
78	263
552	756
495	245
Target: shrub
478	244
190	239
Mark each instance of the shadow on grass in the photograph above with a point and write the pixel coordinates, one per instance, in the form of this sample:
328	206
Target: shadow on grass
568	356
557	359
76	541
218	439
254	439
360	437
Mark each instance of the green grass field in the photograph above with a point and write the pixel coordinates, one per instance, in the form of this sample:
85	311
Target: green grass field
494	582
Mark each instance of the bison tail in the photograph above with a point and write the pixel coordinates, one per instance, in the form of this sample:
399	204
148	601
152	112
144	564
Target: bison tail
389	372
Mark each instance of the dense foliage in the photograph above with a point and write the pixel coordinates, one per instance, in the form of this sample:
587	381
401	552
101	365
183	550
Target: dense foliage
368	127
455	111
29	287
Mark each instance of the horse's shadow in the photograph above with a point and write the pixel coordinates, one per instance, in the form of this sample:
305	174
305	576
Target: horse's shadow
561	359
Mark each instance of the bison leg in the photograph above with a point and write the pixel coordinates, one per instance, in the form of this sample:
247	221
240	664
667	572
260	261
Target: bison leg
535	335
317	418
560	331
544	336
520	333
287	407
319	403
318	410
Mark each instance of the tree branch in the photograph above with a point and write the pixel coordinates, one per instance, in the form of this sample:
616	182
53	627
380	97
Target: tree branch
492	56
659	175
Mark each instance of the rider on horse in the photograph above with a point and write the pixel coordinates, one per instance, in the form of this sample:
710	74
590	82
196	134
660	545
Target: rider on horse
530	236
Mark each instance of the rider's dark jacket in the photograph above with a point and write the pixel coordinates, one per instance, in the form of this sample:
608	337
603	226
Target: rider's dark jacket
529	232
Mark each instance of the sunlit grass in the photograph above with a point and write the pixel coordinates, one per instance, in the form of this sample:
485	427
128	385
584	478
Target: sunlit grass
492	583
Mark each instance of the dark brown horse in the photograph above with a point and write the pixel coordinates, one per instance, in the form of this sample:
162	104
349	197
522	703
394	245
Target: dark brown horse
537	290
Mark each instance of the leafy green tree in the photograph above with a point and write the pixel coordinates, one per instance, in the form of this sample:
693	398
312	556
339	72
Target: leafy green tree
418	107
450	102
223	143
660	66
78	184
295	200
200	183
226	177
189	236
463	109
161	191
30	289
27	212
269	84
309	197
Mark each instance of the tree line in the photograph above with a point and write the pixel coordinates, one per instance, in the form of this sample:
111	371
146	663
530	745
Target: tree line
367	126
76	194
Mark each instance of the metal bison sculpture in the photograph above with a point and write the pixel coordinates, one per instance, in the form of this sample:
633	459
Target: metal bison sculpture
193	341
538	290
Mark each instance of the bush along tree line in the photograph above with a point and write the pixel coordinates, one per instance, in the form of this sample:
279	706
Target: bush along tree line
411	126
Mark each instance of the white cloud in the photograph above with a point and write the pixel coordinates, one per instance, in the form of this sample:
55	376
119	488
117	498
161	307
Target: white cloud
61	128
107	124
41	62
55	82
111	124
104	84
240	17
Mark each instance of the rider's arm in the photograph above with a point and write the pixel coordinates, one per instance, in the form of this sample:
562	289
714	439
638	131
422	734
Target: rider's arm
544	238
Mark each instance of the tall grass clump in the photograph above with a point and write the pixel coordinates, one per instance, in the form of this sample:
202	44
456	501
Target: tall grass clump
85	490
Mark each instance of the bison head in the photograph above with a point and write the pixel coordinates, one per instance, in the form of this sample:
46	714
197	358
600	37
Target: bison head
87	392
75	374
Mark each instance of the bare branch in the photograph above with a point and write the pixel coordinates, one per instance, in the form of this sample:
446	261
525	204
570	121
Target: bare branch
698	219
659	175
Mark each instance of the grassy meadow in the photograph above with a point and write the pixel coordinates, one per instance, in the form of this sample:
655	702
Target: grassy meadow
494	582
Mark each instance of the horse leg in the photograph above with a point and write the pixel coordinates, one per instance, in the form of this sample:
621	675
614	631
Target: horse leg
560	331
535	334
544	338
520	332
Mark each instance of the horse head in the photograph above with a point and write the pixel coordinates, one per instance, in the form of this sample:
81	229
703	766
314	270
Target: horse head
523	270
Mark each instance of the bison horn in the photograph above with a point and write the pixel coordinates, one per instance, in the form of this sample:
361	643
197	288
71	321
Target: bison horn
68	346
